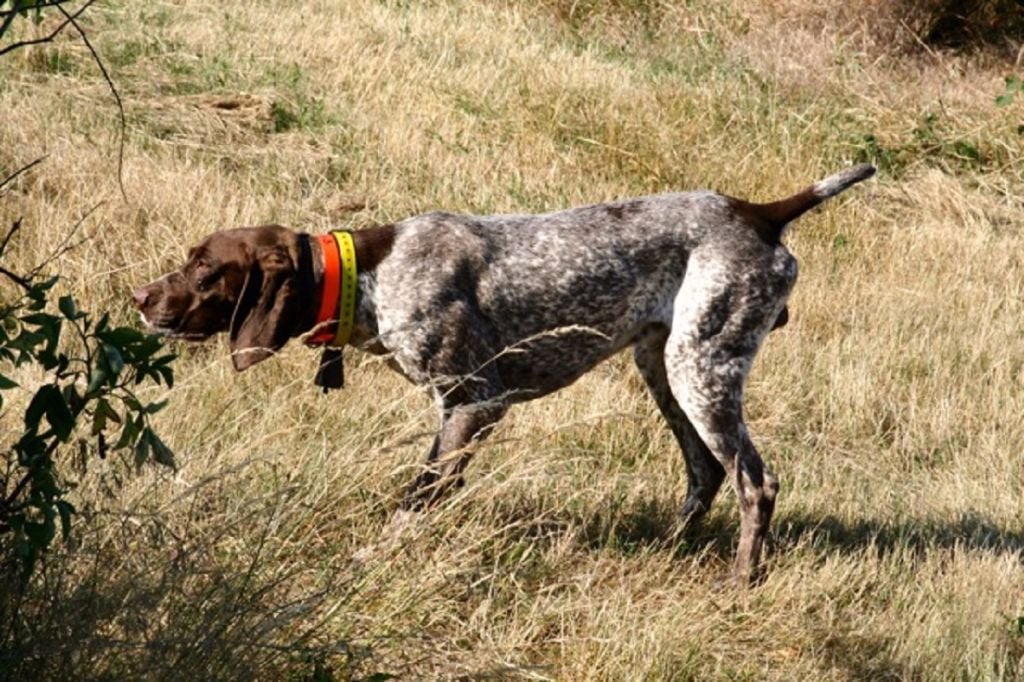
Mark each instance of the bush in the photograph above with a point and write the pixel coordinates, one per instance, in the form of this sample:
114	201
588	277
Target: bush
84	399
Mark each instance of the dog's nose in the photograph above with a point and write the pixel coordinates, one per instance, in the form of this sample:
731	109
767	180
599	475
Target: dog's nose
141	297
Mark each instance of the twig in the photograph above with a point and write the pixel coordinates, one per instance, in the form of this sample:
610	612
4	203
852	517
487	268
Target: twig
23	282
15	226
64	246
53	34
113	90
10	178
38	5
917	39
8	19
17	279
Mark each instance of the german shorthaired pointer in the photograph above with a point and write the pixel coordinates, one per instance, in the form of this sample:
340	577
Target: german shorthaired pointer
487	311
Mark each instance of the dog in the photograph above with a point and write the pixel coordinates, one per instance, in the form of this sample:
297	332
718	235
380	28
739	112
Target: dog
488	311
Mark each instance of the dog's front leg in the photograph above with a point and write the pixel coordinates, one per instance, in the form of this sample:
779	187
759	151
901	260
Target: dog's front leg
462	428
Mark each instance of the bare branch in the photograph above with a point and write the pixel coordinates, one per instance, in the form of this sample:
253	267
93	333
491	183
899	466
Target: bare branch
7	22
64	245
10	178
15	226
17	279
38	5
53	34
24	282
113	90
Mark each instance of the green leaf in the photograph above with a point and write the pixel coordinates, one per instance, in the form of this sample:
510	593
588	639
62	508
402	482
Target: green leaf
153	408
40	533
97	377
113	358
161	453
65	509
128	434
59	415
29	446
142	448
44	484
44	320
37	406
122	336
104	413
67	308
6	383
99	421
26	341
1014	84
132	402
966	150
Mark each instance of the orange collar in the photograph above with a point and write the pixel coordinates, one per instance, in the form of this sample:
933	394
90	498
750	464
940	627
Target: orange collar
336	316
330	288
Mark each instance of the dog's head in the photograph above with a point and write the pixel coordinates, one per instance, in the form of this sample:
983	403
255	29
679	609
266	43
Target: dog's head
242	281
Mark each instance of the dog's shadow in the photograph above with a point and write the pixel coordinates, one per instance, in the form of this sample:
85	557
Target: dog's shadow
969	530
653	525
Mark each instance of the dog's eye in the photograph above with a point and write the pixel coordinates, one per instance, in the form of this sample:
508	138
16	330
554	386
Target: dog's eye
204	275
203	283
204	278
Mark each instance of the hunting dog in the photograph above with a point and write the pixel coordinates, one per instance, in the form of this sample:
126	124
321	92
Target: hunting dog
487	311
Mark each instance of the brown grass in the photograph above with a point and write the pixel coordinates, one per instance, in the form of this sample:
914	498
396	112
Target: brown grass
890	405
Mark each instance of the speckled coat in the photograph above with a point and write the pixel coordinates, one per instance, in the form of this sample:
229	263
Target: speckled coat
486	311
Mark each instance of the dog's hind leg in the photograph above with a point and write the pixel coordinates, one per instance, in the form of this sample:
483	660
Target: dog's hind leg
704	474
718	324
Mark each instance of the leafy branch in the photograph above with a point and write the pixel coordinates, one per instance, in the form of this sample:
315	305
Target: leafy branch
86	398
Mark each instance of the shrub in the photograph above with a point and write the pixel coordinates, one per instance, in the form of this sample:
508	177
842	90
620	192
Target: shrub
84	399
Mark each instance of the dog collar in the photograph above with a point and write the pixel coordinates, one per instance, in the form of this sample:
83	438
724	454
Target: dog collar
336	316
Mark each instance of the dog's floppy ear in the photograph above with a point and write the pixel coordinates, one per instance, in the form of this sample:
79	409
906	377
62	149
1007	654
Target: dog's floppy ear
265	315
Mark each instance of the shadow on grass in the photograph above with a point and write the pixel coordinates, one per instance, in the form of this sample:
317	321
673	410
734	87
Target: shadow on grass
970	531
653	525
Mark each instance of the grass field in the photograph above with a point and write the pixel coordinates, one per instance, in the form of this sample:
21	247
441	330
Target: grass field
890	406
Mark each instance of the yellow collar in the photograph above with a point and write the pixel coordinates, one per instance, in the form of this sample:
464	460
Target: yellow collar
347	295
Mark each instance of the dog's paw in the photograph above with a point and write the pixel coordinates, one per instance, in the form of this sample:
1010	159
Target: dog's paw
394	531
401	521
364	555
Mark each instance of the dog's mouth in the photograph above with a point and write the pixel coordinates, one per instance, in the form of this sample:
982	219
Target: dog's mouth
171	331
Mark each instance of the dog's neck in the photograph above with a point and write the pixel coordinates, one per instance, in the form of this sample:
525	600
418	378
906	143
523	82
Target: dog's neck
372	245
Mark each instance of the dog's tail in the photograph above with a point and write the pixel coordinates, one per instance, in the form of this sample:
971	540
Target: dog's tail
780	213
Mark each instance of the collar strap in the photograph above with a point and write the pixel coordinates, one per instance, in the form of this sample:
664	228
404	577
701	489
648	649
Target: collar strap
336	317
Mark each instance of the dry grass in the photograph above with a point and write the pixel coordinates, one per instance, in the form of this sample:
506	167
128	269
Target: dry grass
890	405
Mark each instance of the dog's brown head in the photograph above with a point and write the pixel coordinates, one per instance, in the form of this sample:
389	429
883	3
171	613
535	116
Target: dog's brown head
245	281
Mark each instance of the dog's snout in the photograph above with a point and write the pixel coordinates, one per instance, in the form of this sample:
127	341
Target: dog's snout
141	297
